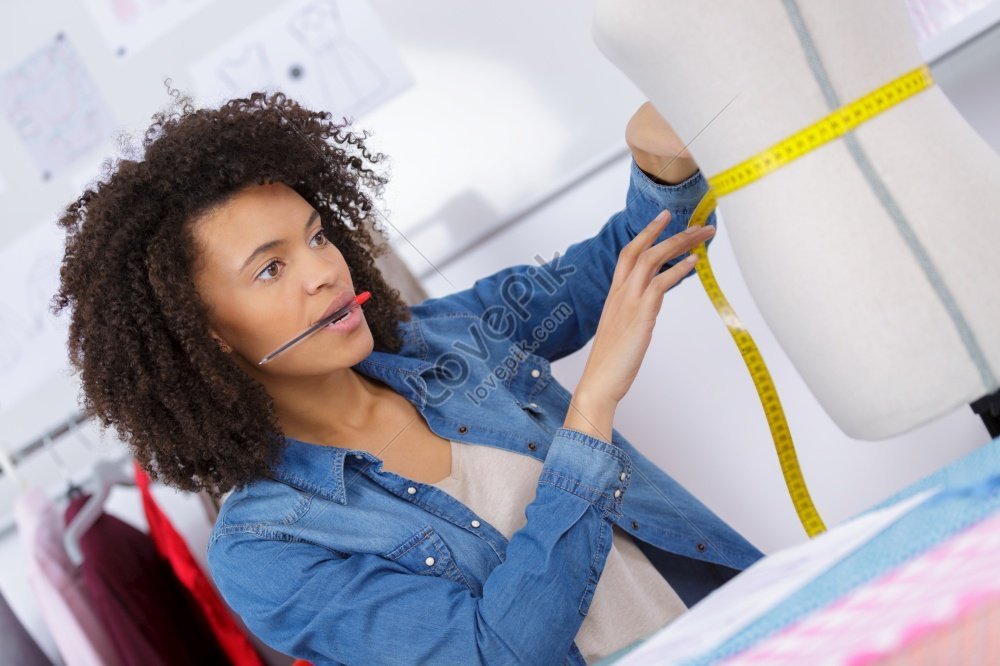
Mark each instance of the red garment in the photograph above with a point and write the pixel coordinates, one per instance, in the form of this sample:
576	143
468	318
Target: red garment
173	548
151	619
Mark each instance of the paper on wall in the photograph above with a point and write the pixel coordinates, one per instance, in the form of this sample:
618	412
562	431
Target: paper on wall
328	55
129	26
55	107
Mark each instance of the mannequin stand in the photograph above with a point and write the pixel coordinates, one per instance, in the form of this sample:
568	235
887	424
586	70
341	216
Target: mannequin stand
988	407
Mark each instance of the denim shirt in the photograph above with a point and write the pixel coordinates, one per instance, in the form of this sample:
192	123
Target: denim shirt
338	561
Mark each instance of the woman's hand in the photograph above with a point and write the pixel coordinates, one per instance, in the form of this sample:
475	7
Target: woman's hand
656	147
627	320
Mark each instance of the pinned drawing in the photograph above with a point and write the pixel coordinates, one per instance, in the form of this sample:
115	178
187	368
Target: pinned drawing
55	107
129	26
247	69
329	55
349	71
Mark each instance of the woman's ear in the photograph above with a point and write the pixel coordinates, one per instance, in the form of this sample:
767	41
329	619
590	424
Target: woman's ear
222	343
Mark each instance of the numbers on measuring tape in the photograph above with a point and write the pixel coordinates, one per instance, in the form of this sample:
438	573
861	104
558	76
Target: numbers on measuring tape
834	125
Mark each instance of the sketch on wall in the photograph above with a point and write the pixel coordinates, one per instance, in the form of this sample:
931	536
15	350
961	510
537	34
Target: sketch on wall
327	54
129	26
55	107
32	339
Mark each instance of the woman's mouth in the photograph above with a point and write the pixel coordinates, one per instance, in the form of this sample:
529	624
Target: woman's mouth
346	324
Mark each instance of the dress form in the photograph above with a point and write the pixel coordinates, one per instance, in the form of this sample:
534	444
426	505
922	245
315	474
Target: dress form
872	258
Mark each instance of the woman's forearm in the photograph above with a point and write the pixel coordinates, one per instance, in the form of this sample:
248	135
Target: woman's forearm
591	415
665	170
656	148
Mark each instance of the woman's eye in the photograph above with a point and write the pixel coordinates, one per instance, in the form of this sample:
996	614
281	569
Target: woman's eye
319	234
269	272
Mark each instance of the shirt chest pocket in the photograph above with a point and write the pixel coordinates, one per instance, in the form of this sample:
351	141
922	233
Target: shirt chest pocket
427	554
531	376
532	408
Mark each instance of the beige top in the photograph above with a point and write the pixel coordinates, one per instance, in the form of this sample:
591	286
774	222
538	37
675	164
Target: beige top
631	601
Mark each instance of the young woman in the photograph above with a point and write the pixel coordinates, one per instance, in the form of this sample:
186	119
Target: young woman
412	485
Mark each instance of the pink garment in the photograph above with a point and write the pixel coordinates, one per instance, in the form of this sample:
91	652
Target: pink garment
939	603
59	589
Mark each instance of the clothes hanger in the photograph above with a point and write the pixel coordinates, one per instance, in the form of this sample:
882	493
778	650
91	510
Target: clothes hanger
72	489
7	465
106	474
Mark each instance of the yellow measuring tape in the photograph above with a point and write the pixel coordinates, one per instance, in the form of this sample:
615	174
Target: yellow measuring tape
832	126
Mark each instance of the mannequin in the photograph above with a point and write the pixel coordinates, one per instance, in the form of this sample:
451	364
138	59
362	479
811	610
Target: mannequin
872	258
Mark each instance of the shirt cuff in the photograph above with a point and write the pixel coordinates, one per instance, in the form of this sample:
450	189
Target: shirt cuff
685	194
588	467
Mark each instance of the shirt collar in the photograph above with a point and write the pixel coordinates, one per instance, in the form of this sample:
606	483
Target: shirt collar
319	469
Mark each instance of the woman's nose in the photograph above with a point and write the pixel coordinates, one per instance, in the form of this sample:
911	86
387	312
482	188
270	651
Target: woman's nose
319	273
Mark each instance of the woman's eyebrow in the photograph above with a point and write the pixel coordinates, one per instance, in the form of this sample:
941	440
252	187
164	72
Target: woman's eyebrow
270	245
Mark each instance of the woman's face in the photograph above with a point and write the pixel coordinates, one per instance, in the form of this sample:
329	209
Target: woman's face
266	273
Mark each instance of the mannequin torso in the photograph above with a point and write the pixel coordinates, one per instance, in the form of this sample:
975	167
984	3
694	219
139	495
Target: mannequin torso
872	257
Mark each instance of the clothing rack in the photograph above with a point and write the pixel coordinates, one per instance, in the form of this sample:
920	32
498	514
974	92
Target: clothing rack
64	428
10	461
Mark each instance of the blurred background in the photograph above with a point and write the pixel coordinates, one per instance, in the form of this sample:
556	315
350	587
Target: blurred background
504	126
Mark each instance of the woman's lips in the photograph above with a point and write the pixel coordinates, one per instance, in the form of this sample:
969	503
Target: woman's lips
333	308
347	324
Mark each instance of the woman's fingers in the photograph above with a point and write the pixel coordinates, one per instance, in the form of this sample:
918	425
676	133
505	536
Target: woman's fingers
632	306
634	248
651	261
658	286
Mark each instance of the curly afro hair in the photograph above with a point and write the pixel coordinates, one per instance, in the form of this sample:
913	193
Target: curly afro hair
139	333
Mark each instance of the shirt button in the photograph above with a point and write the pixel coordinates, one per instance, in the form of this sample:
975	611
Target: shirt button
411	490
533	405
700	547
429	561
358	456
462	428
531	445
475	523
618	493
536	373
621	477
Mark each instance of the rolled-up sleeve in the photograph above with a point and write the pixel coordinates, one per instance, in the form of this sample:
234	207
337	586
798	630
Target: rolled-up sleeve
571	288
313	602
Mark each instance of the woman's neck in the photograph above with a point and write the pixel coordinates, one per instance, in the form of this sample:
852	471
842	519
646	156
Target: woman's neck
327	409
